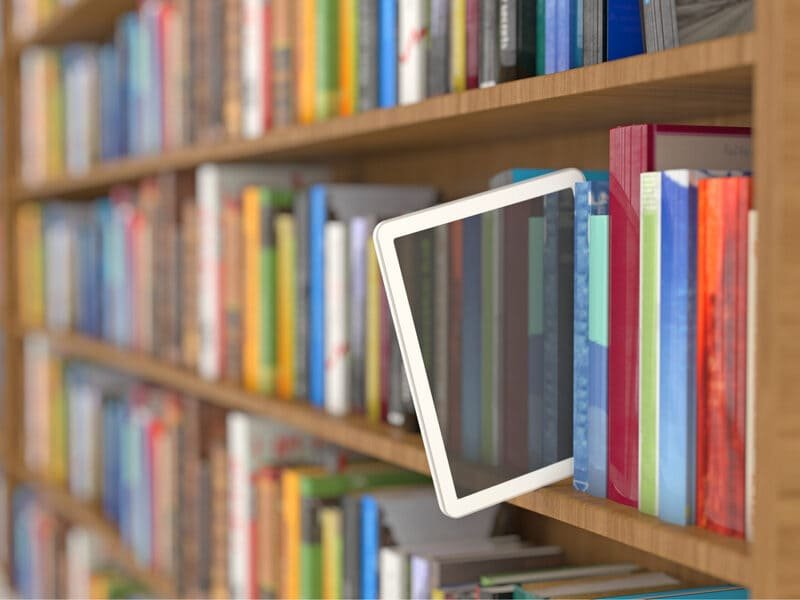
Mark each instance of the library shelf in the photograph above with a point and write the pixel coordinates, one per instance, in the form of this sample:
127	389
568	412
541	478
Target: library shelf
82	20
79	513
707	79
718	556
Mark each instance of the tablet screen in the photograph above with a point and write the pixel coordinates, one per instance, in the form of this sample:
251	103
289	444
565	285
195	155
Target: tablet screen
491	297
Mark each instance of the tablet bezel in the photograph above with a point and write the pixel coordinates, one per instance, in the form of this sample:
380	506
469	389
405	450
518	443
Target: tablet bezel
384	237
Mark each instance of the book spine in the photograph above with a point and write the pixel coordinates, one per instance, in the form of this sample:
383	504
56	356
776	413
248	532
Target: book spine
412	41
285	242
507	21
284	57
310	570
290	534
576	9
623	28
302	318
367	55
471	347
252	69
597	435
327	59
336	347
370	548
232	288
580	370
488	375
387	53
438	56
372	351
536	237
526	38
208	282
358	236
473	43
267	295
267	79
351	525
563	35
458	45
348	56
305	60
332	552
752	298
251	234
552	341
551	36
317	214
489	71
649	309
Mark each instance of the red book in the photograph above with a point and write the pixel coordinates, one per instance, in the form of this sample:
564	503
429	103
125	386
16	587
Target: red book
721	366
473	43
634	150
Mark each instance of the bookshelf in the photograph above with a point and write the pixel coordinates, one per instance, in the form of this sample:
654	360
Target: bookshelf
455	142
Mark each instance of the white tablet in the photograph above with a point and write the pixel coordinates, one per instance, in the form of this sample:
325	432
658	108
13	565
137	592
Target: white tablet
480	291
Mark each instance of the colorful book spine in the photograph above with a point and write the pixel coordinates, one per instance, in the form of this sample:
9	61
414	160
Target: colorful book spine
330	518
285	244
337	354
372	350
387	53
327	59
458	45
581	366
348	56
412	41
251	340
284	57
306	65
367	55
563	34
317	215
623	29
551	36
438	56
473	43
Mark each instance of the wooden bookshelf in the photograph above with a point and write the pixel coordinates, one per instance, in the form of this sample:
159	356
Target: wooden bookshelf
702	80
718	556
78	513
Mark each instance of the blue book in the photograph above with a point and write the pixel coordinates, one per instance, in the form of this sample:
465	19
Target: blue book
576	34
580	341
121	43
677	377
370	547
387	53
535	334
22	508
317	215
155	93
109	102
722	592
551	36
129	49
623	29
563	34
597	433
110	450
471	357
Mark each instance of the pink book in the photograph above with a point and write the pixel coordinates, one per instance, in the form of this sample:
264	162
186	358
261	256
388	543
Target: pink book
635	149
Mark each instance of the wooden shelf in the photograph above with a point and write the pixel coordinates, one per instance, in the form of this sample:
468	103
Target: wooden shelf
84	20
702	80
718	556
78	513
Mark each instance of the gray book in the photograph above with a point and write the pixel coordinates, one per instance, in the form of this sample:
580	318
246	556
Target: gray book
507	33
351	534
439	48
690	21
360	231
489	67
367	55
652	40
593	32
301	295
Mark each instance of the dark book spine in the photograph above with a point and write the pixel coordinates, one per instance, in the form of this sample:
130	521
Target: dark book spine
439	48
282	63
367	54
473	43
507	38
301	295
216	71
489	71
351	533
526	38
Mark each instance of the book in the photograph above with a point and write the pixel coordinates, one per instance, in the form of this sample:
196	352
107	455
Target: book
337	352
368	55
566	572
412	42
305	60
438	52
634	150
330	519
284	59
599	586
458	46
348	56
489	50
624	36
327	59
387	53
677	23
285	243
256	51
752	329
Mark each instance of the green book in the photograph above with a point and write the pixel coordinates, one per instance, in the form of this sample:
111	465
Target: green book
649	291
272	201
541	32
326	489
327	27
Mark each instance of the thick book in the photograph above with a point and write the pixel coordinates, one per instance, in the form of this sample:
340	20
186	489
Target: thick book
682	22
331	540
580	368
636	149
594	28
517	21
412	42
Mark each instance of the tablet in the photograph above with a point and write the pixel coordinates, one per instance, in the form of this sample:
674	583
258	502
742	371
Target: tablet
480	292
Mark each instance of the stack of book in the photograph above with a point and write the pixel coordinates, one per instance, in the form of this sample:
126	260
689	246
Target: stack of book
54	560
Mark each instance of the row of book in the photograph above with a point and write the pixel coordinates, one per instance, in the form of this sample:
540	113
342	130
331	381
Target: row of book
27	15
53	559
239	271
231	504
180	71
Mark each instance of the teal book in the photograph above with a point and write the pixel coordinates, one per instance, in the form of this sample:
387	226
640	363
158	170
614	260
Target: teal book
722	592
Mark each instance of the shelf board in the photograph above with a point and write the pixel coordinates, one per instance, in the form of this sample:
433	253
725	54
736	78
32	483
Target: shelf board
83	20
79	513
716	555
707	79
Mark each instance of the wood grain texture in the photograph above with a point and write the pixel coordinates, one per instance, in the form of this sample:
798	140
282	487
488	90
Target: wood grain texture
710	78
776	547
83	20
64	505
719	557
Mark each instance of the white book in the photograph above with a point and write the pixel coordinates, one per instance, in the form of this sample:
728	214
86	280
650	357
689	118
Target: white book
79	563
252	56
215	183
412	38
750	423
239	500
337	351
58	272
84	414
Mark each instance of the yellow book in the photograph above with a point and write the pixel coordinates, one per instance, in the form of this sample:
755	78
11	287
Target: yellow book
285	310
58	424
30	265
330	519
55	114
99	586
438	594
251	313
458	45
306	48
348	56
372	350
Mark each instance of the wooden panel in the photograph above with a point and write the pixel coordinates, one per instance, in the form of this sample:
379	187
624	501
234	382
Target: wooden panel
84	20
707	79
78	513
718	556
776	566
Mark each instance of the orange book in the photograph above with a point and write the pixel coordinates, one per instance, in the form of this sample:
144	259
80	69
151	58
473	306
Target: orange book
348	56
291	534
251	242
285	305
305	48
